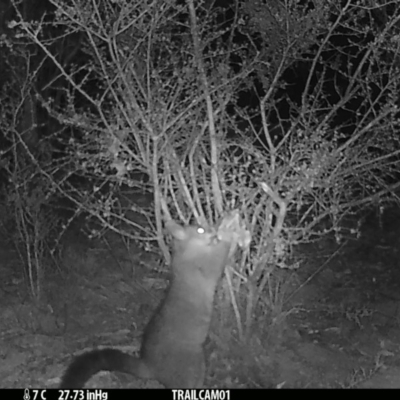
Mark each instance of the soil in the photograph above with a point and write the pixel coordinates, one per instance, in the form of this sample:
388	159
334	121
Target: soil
337	326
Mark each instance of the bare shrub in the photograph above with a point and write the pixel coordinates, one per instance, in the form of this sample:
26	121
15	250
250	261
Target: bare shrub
154	97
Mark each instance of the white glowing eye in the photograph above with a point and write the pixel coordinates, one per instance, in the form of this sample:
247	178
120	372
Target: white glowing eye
201	230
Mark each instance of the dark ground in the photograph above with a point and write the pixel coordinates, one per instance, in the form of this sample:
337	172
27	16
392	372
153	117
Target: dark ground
341	329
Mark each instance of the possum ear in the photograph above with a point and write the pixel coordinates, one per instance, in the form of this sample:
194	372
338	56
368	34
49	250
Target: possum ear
176	230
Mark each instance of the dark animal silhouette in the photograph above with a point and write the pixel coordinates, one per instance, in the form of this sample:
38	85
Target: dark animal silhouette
172	344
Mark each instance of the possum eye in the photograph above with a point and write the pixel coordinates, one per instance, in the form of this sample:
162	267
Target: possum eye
200	230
